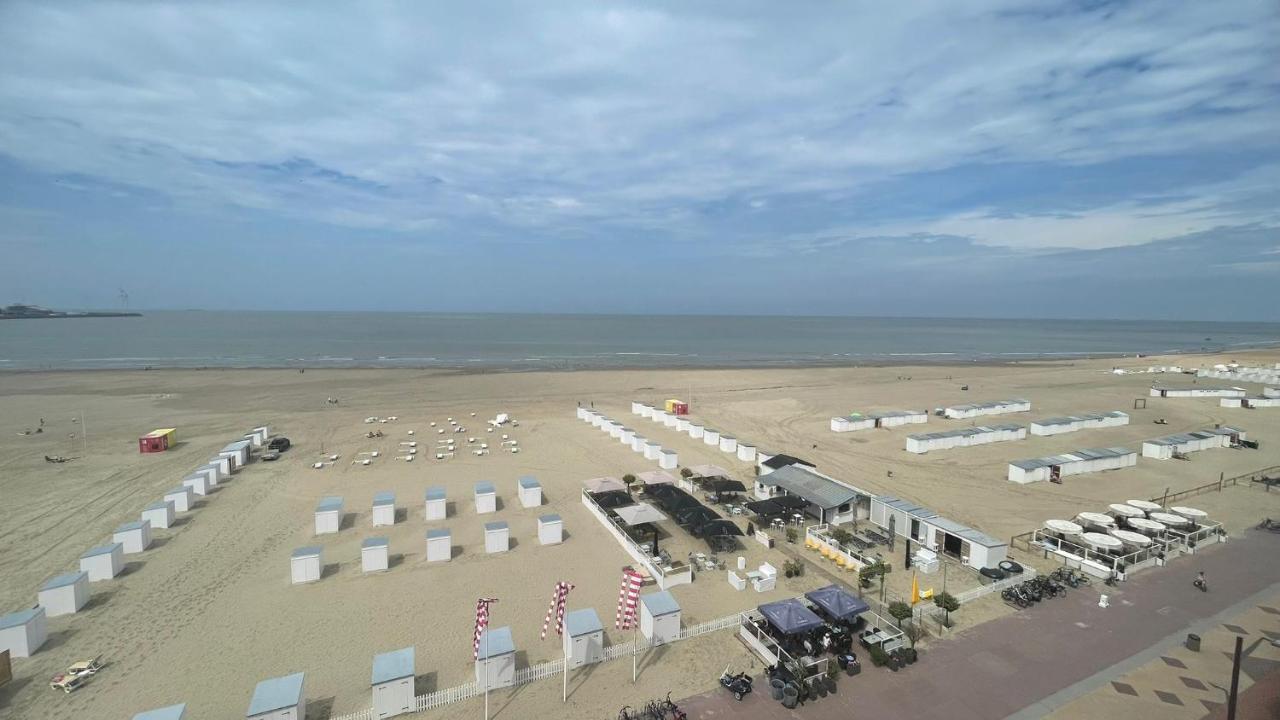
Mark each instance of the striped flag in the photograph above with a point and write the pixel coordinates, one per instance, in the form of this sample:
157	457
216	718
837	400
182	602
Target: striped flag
482	622
558	597
628	596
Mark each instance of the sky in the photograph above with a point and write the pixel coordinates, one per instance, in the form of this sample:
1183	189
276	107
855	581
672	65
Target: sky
995	159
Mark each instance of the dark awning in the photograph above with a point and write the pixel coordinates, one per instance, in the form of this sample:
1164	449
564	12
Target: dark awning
718	527
790	616
790	502
724	485
765	508
695	515
612	498
837	602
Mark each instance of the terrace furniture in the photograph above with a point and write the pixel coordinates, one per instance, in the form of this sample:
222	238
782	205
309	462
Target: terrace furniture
737	582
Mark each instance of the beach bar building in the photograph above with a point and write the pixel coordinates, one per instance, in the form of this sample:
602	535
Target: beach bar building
830	500
583	638
1197	391
384	509
550	529
530	491
392	681
997	407
23	632
496	661
329	515
659	617
1055	467
180	497
64	594
305	563
436	507
486	498
159	514
173	712
1169	446
1072	423
924	526
497	537
134	537
198	483
374	554
103	562
964	437
278	699
439	545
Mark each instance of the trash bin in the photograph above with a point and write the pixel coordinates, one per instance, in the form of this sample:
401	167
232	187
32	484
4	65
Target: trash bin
790	697
776	687
1193	642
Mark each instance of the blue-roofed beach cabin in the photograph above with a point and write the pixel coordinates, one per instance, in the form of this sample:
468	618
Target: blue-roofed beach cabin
278	699
392	682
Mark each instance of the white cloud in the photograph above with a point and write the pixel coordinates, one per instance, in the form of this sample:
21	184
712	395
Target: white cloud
417	116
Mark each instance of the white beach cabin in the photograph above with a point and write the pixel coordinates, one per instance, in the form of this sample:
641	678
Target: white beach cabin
697	430
384	509
436	507
530	491
197	483
550	530
64	594
223	464
1073	423
181	498
998	407
173	712
625	436
497	537
652	450
496	661
329	515
711	437
746	452
278	699
583	637
659	617
103	562
305	564
1055	467
392	682
964	437
212	472
728	443
374	554
135	537
638	442
23	632
439	545
668	459
159	514
486	498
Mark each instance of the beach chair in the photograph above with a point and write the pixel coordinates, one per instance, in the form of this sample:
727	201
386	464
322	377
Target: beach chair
86	667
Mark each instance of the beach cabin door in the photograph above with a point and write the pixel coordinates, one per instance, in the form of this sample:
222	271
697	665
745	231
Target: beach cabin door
1055	474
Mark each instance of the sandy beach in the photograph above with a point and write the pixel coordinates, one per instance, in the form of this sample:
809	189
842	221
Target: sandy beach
209	611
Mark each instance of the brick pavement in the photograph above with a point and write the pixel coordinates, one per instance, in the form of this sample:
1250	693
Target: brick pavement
1003	666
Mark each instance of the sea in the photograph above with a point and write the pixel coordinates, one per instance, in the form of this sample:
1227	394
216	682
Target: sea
208	339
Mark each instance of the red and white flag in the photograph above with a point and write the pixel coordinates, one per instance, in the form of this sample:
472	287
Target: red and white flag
558	597
482	622
628	596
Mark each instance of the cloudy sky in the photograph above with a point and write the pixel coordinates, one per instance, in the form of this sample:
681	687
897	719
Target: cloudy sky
1043	159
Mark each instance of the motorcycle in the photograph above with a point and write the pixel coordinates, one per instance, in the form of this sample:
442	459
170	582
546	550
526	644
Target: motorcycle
739	684
1200	584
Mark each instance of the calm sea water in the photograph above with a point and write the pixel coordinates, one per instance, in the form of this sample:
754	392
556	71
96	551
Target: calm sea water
512	342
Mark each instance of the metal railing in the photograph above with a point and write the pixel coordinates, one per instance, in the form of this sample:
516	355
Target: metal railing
974	593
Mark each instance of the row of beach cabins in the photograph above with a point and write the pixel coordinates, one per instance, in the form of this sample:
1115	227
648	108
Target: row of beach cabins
24	632
394	673
675	418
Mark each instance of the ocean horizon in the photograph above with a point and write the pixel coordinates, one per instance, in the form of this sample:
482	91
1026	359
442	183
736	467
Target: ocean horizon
512	342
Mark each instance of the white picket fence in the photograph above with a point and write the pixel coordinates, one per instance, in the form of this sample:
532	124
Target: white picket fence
975	593
553	668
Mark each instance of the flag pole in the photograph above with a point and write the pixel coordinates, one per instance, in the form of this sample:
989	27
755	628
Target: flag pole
486	674
564	692
633	653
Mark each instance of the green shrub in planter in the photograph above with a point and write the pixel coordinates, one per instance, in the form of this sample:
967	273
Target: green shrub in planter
878	656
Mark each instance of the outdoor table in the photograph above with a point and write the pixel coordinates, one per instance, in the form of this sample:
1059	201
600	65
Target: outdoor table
754	575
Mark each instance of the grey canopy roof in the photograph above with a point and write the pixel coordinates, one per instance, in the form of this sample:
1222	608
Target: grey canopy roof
819	490
639	514
837	602
790	616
